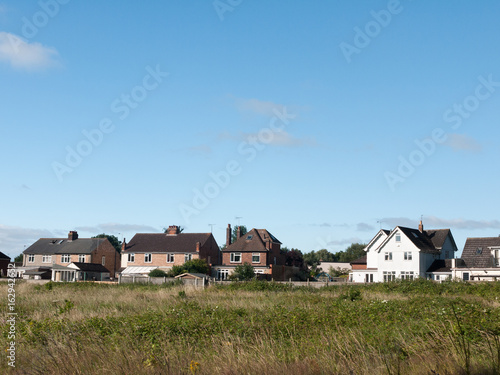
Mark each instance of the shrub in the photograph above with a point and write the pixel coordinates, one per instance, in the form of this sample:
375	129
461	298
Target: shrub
243	272
157	273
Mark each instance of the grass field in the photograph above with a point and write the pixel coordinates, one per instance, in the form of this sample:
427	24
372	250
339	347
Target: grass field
256	328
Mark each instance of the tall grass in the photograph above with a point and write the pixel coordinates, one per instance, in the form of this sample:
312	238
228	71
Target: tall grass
257	328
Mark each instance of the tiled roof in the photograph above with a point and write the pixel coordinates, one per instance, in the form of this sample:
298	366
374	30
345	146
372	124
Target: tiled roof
254	240
163	243
428	241
477	252
361	260
64	246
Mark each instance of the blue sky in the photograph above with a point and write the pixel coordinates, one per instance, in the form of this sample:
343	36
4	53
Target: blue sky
315	121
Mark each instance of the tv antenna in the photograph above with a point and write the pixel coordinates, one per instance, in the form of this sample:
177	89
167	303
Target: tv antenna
211	228
238	218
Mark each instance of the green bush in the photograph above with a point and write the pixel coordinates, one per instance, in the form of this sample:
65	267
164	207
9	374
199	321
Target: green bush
157	273
243	272
191	266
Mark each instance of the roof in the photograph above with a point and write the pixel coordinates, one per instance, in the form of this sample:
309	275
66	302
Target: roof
428	241
3	256
477	252
253	241
192	275
335	265
440	265
90	267
361	260
163	243
64	246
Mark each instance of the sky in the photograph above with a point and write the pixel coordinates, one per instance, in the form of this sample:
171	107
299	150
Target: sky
320	122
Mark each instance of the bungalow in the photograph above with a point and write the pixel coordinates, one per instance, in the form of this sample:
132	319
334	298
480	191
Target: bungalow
80	272
148	251
258	247
48	252
404	253
480	260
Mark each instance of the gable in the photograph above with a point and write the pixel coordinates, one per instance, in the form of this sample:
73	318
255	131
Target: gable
377	240
253	241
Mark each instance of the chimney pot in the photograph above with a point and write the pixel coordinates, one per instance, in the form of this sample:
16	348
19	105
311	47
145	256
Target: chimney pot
72	235
172	230
421	227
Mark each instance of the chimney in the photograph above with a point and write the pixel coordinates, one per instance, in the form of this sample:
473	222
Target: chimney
421	227
198	244
72	235
238	232
124	244
228	235
172	230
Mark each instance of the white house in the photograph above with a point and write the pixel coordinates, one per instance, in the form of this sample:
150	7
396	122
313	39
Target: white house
404	253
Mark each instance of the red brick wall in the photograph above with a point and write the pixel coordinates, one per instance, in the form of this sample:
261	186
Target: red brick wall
245	258
112	259
160	260
358	266
210	249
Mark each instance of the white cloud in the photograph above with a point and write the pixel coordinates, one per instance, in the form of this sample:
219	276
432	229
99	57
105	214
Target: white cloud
432	222
363	227
13	239
25	55
277	138
460	142
258	106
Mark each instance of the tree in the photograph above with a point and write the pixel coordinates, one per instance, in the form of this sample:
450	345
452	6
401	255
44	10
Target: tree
313	258
19	258
191	266
243	272
117	244
234	233
353	252
293	257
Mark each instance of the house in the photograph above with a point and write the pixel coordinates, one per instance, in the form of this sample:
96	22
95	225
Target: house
4	263
480	260
48	252
77	271
148	251
258	247
404	253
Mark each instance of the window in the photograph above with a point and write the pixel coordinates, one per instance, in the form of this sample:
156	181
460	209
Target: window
60	242
249	237
389	276
147	258
408	255
406	275
65	258
170	258
131	257
103	260
256	258
465	276
222	274
479	250
369	278
437	278
188	257
398	237
31	258
47	259
388	256
235	257
81	258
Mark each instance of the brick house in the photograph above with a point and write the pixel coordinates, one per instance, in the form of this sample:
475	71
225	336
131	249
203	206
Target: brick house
258	247
4	263
148	251
47	252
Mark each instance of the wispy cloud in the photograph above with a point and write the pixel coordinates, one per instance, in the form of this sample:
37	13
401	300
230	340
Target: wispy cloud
201	149
13	239
113	228
363	227
280	138
21	54
461	142
258	107
433	222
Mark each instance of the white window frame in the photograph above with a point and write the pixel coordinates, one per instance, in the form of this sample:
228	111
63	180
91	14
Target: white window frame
131	257
188	257
81	258
258	257
222	274
388	255
235	256
148	258
65	258
47	259
170	258
103	260
407	275
389	276
397	237
408	255
31	258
